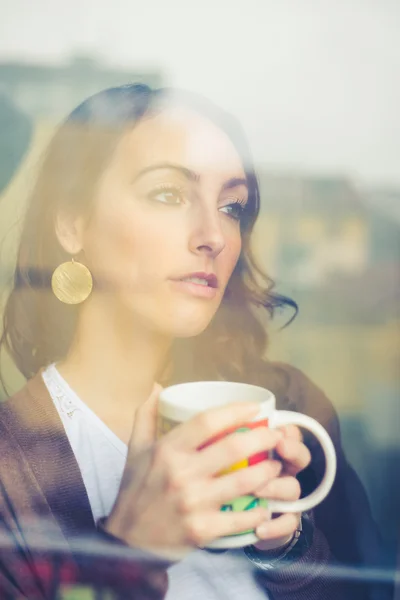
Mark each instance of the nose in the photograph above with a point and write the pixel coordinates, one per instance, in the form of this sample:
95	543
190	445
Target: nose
207	236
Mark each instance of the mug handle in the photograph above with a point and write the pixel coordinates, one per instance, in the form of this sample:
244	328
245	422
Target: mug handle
286	417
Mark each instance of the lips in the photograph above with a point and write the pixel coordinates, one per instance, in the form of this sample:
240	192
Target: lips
200	278
197	285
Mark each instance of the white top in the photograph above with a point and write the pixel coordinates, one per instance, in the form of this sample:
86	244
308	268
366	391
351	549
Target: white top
101	458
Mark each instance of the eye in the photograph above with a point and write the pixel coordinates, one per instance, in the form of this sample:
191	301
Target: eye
167	195
235	210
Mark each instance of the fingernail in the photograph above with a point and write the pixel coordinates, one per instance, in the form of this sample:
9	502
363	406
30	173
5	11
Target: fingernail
263	529
276	467
269	489
253	408
280	434
277	434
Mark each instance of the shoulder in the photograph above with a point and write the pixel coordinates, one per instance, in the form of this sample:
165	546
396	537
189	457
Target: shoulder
14	408
28	415
36	455
16	449
19	406
16	423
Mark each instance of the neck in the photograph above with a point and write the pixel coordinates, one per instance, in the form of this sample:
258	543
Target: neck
113	363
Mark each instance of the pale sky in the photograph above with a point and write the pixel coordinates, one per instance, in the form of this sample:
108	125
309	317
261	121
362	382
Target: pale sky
316	83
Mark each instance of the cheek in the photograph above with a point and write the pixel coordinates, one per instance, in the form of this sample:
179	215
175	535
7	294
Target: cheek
131	247
231	253
121	247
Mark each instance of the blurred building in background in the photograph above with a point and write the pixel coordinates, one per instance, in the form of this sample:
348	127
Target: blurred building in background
319	229
51	91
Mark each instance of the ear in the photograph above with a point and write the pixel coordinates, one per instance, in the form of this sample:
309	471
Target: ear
69	231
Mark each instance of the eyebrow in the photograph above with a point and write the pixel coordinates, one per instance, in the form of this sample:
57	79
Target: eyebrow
235	182
190	175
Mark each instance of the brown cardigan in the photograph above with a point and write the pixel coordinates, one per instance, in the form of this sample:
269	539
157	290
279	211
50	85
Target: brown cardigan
43	502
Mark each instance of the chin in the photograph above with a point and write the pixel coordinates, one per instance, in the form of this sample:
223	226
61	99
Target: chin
177	319
192	325
188	330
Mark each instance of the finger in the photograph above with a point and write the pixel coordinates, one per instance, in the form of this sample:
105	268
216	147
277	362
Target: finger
292	432
217	421
241	483
234	449
208	526
295	455
281	527
201	495
145	423
265	545
281	488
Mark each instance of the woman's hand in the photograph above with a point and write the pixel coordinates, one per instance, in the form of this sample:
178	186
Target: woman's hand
170	498
278	532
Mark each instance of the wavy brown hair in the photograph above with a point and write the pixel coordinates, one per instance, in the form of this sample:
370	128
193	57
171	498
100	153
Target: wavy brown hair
38	329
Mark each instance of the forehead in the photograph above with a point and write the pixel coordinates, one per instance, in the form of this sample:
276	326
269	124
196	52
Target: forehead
180	136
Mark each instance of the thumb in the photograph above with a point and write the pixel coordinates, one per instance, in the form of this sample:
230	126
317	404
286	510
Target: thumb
145	425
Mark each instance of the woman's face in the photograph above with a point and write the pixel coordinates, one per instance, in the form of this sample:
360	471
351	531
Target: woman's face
164	236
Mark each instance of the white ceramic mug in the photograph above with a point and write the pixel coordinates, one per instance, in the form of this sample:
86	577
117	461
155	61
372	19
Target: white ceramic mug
181	402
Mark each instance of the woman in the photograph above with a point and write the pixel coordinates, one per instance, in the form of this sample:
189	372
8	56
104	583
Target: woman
134	268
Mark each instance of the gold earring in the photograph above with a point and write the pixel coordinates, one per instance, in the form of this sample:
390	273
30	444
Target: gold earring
72	282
